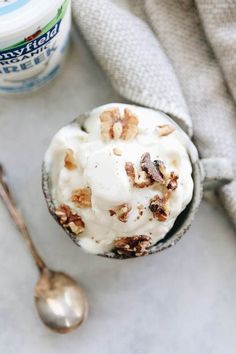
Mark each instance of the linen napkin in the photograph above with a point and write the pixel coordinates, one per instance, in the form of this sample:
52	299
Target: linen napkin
177	56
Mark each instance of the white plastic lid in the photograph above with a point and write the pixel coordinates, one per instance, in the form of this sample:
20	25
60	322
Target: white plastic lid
17	16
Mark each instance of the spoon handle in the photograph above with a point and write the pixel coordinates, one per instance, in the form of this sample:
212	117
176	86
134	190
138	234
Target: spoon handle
10	204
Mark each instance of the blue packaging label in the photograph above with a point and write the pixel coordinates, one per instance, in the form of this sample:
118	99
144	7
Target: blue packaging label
34	60
29	54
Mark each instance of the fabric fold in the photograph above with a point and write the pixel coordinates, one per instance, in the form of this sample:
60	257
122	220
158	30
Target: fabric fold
132	57
156	54
218	20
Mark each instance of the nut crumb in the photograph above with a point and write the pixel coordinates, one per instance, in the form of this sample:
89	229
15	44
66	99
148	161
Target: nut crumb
69	219
159	206
140	208
111	212
172	183
117	152
114	126
69	160
133	245
82	197
121	211
165	129
129	168
174	163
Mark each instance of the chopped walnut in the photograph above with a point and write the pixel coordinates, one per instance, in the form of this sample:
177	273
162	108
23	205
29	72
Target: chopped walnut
160	166
129	168
139	179
69	160
69	218
158	172
165	129
133	245
130	125
76	227
114	126
152	171
159	206
172	183
155	169
117	152
82	197
121	211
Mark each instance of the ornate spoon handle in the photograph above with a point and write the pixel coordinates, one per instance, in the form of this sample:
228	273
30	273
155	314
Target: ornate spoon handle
10	204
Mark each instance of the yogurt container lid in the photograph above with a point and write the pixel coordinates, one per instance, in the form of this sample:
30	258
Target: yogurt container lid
18	15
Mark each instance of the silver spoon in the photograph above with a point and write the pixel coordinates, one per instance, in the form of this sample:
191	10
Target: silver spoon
60	301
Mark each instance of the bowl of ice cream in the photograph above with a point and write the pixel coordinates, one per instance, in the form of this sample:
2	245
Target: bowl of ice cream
122	181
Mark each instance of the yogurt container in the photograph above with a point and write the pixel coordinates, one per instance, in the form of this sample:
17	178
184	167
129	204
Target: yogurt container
33	41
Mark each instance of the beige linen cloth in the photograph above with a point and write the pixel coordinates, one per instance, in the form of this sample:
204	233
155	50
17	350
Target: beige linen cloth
178	56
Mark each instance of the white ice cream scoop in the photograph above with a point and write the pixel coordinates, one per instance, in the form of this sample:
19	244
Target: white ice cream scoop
123	181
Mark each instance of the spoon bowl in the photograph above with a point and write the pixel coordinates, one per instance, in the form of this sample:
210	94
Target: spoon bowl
60	301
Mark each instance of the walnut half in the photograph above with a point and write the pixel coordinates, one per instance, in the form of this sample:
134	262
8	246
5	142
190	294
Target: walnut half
115	126
133	245
69	218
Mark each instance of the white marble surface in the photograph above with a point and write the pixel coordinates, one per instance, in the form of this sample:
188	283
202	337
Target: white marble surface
180	301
